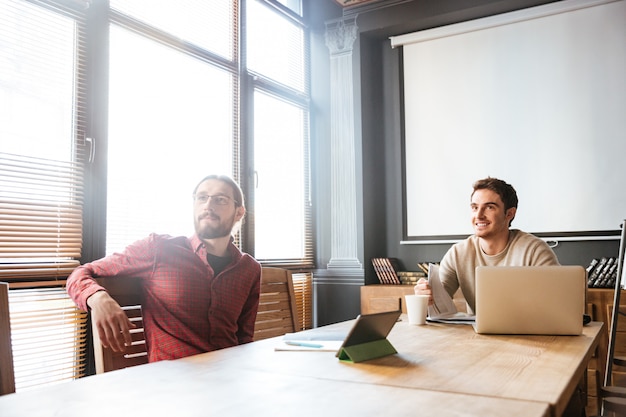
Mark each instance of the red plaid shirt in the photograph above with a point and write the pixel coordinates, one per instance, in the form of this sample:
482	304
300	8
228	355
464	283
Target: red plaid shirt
187	310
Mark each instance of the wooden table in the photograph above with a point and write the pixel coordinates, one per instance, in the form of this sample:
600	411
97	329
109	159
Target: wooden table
443	370
445	358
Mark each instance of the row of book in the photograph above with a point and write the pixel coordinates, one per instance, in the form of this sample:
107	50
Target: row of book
602	273
387	272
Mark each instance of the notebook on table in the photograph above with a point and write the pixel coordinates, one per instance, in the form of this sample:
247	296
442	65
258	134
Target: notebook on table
534	300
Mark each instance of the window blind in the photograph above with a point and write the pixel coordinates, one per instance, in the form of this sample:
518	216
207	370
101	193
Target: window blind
43	129
40	217
42	157
303	290
48	336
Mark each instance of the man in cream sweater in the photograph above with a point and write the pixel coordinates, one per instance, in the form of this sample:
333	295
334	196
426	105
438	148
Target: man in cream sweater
493	206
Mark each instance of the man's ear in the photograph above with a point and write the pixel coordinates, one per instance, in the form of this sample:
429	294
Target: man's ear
510	213
241	211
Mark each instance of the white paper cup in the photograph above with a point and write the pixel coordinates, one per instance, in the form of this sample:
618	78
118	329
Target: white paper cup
417	308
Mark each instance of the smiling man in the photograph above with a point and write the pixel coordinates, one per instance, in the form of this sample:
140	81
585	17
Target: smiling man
493	205
199	293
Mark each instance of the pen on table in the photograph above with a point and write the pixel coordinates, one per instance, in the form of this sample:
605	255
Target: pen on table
303	344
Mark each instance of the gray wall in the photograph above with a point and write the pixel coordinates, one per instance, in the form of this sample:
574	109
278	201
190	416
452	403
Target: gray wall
379	142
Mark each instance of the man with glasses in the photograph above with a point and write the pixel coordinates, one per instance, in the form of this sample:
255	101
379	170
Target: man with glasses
199	293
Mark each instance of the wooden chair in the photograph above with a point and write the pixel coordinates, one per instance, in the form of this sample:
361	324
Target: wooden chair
277	308
614	407
127	292
612	398
7	374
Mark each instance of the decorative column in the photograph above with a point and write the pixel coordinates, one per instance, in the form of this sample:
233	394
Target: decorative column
340	37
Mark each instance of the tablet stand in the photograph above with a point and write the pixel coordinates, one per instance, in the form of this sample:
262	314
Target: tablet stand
366	351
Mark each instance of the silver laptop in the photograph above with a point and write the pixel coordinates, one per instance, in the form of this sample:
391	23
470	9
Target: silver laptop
544	300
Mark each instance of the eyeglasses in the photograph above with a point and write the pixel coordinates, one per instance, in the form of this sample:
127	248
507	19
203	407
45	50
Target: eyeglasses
220	200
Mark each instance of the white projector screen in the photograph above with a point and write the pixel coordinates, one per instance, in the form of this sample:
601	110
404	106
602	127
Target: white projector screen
535	97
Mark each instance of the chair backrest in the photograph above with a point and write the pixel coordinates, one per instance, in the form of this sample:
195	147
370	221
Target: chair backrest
277	307
611	397
610	360
127	293
614	406
7	373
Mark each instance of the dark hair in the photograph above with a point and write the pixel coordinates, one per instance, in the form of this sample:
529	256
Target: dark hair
504	190
237	193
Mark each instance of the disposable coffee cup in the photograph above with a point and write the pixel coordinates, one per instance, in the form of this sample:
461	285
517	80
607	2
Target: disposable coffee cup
417	308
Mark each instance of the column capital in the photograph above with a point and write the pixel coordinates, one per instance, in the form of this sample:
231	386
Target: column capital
341	34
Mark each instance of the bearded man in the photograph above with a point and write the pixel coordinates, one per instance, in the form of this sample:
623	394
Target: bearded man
200	293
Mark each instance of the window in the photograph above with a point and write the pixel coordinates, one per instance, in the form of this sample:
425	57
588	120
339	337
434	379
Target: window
278	61
208	24
174	117
42	162
277	54
280	194
170	124
167	96
294	5
171	113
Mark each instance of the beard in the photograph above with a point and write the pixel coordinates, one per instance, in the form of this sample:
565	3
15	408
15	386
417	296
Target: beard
207	231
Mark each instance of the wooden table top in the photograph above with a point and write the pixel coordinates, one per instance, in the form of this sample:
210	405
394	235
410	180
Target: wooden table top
444	370
446	358
182	389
